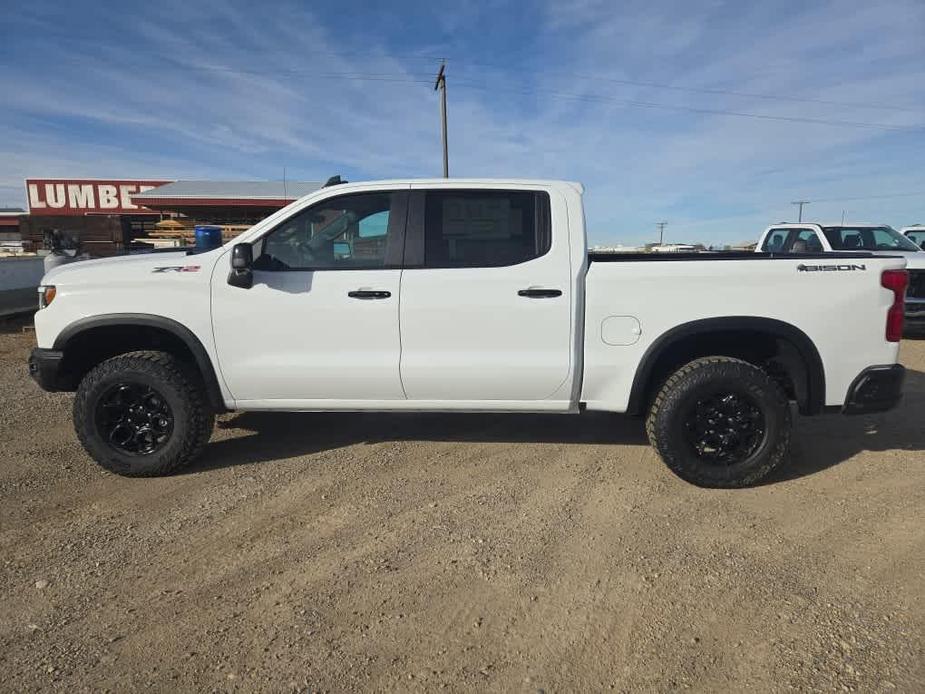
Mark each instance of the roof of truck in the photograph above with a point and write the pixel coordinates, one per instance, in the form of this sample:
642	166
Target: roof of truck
830	225
470	181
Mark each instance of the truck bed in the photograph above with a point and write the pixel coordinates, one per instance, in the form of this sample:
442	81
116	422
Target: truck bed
631	306
598	257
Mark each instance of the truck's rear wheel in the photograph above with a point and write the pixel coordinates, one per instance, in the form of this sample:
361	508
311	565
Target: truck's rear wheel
720	422
142	414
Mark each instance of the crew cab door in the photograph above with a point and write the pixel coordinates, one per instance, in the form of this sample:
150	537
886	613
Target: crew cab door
321	319
486	298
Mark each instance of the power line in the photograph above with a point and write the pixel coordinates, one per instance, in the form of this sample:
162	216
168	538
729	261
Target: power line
692	109
872	197
409	78
370	77
423	78
707	90
95	41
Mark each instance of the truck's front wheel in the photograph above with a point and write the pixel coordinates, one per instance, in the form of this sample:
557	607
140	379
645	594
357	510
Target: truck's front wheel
142	414
720	422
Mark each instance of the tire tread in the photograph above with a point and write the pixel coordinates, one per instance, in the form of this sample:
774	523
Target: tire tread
656	424
177	374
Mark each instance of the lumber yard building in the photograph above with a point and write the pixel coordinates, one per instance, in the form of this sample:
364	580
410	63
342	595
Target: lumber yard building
113	216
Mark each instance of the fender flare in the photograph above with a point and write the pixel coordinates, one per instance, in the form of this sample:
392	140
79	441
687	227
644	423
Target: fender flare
815	371
178	330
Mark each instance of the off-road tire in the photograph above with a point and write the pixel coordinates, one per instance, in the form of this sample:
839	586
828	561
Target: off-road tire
667	422
182	389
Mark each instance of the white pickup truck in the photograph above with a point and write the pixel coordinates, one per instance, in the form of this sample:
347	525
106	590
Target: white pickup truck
878	239
466	295
915	233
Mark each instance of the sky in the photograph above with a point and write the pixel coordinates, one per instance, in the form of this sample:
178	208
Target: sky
635	99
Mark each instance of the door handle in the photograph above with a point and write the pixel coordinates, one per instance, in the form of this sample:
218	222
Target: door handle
536	293
368	294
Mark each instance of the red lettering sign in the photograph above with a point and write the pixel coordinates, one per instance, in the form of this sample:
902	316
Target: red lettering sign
74	197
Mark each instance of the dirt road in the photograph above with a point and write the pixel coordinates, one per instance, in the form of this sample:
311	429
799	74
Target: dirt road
499	553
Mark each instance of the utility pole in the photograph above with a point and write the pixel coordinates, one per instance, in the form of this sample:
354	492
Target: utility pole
801	203
843	217
441	86
661	231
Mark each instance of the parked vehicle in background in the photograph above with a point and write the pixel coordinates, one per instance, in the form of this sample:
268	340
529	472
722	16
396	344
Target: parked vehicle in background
915	233
19	276
466	295
877	239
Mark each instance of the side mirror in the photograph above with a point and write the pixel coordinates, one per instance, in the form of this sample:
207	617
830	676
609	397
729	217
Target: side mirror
242	258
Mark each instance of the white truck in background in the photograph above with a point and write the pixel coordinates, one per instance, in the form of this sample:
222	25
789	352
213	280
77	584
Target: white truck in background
915	233
878	239
467	295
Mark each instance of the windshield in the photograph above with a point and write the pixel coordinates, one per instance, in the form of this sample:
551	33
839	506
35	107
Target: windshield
867	239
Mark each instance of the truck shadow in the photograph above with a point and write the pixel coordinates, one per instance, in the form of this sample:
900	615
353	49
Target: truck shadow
821	442
286	435
818	442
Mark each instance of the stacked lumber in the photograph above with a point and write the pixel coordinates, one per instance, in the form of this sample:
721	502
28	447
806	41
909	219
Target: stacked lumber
184	231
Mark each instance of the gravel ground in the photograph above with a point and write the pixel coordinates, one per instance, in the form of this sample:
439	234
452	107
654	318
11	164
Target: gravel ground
500	553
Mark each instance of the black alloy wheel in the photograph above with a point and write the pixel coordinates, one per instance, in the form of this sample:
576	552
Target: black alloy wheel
725	428
142	414
134	418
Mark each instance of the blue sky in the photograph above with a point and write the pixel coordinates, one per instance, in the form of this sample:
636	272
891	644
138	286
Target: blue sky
238	90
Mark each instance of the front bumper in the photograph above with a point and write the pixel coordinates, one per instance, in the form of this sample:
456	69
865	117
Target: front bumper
876	389
45	368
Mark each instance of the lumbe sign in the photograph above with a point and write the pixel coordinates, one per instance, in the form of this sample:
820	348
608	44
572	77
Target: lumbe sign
84	196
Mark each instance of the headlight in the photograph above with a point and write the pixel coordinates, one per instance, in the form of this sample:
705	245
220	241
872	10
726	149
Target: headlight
46	295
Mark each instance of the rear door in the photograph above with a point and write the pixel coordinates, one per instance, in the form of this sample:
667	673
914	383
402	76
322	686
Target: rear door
486	302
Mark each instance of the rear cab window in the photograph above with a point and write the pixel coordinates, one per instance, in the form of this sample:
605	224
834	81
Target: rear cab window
790	240
478	228
776	240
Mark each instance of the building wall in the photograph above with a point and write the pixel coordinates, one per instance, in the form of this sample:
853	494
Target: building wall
100	235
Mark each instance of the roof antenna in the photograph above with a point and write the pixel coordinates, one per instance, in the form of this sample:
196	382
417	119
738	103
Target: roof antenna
333	181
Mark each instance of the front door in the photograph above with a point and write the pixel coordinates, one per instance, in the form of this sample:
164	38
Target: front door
321	319
486	299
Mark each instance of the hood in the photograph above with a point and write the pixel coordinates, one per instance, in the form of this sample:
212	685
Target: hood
122	266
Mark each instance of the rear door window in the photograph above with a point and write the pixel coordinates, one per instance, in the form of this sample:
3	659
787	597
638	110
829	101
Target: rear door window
485	228
792	241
